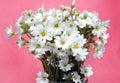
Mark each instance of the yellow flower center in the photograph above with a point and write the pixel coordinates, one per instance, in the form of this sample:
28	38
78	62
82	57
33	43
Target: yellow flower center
65	64
97	28
62	42
43	33
69	33
86	71
70	25
43	78
76	46
56	25
38	46
54	15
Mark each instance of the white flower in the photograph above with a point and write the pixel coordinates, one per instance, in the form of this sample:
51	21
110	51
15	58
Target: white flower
99	50
86	70
53	14
76	77
27	14
62	42
55	27
9	32
45	34
104	38
81	23
42	78
64	65
41	32
21	42
39	16
81	55
77	43
37	45
100	28
70	33
51	47
69	25
63	53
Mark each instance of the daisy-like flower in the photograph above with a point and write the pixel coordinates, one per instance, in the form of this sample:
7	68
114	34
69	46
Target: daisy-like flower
77	43
99	50
64	65
100	28
40	17
37	46
44	34
69	25
76	77
62	42
71	34
55	28
53	14
21	42
9	32
86	70
81	23
41	32
27	14
42	78
81	55
51	47
104	38
63	53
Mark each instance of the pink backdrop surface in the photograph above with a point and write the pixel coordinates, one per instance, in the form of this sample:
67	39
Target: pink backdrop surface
18	66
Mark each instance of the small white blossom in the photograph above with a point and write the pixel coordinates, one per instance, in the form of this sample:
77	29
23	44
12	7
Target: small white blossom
53	14
64	65
42	78
104	37
55	27
9	32
77	43
76	77
99	50
81	55
62	42
86	70
36	45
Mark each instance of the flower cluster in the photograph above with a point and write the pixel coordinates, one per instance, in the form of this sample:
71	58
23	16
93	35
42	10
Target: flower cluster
61	39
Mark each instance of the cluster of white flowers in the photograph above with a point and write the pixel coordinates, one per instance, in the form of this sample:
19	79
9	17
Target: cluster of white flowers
61	38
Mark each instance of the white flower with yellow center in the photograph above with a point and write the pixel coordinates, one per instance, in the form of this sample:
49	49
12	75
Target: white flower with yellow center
55	27
100	28
64	65
34	30
69	25
51	47
62	42
77	43
9	32
53	14
71	33
81	55
45	34
42	78
41	32
86	70
37	45
76	77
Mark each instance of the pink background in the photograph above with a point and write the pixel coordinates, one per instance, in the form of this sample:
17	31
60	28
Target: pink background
18	66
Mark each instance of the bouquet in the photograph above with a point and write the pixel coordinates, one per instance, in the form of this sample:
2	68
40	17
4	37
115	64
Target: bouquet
61	39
